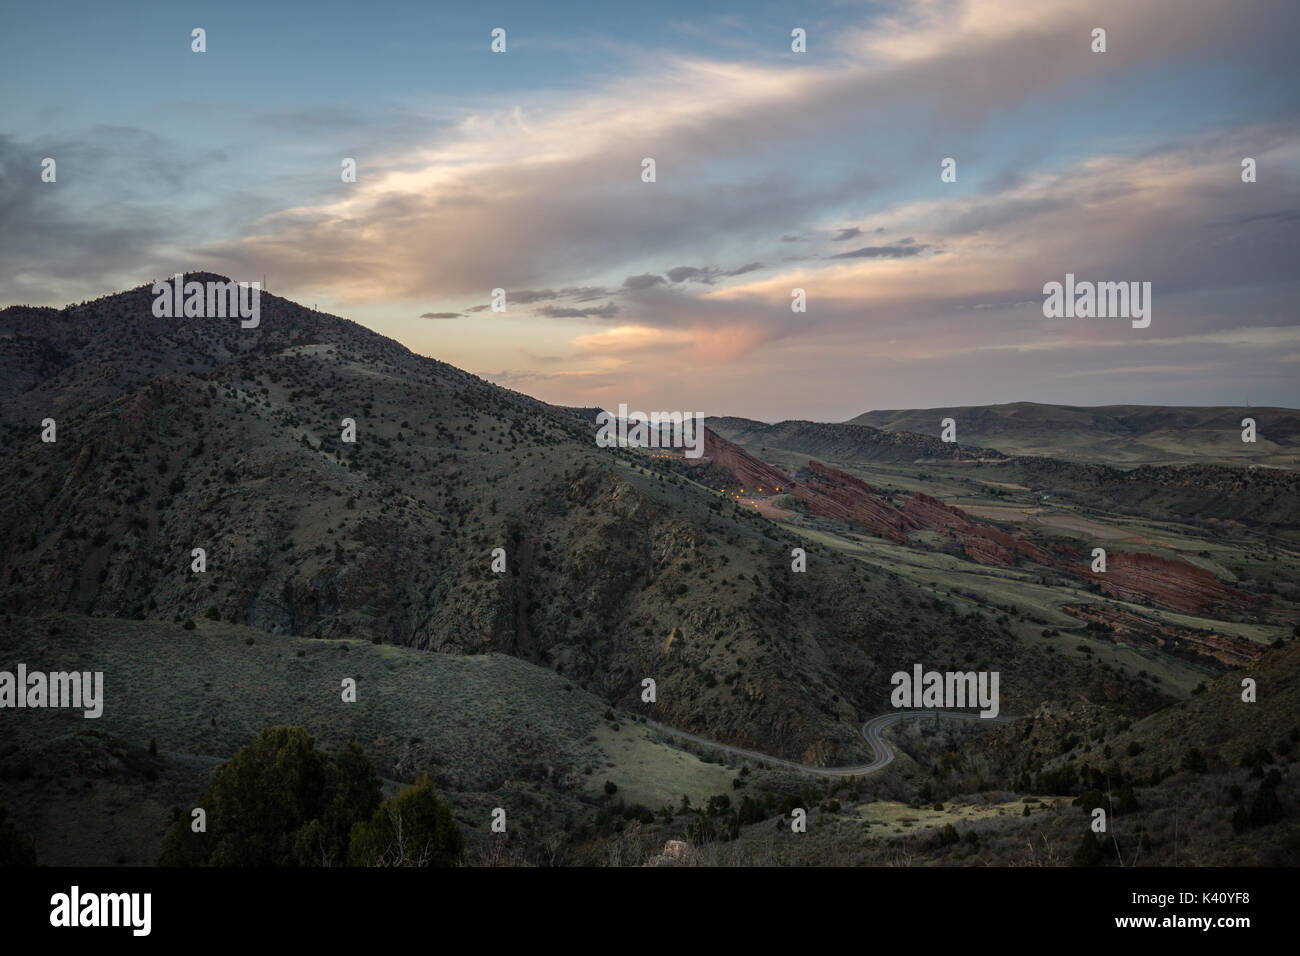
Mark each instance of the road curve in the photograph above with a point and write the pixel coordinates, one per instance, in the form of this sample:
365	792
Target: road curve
871	730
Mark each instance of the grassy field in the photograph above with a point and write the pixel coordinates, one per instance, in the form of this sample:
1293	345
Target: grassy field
489	729
652	774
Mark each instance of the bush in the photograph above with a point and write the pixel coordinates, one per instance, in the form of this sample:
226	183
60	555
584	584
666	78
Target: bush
1194	761
16	848
611	787
1089	851
1266	807
278	802
751	811
414	828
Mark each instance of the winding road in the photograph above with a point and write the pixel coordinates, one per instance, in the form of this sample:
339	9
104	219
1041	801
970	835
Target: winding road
871	730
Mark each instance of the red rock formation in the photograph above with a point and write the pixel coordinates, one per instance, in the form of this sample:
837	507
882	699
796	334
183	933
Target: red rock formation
1168	582
748	470
834	494
1130	628
933	515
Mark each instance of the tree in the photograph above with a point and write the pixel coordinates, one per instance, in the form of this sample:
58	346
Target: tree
1194	761
16	847
751	811
1127	802
1266	808
278	802
414	828
1089	851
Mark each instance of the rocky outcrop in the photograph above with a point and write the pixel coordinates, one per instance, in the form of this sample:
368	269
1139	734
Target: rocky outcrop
1129	628
748	470
1168	582
834	494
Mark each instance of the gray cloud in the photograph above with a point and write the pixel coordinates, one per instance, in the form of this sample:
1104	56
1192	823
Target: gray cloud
606	311
643	281
695	273
850	233
441	315
708	274
903	249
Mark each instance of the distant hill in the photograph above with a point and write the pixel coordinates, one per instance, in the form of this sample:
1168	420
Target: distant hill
849	442
1122	435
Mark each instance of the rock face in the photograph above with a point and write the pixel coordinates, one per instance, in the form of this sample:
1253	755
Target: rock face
1168	582
834	494
748	470
1130	628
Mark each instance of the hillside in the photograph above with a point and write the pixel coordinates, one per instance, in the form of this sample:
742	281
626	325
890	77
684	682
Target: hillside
379	557
183	434
1121	435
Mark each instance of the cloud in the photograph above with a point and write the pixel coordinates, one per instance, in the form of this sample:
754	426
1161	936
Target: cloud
608	310
696	273
526	296
851	233
441	315
708	274
901	250
518	192
644	281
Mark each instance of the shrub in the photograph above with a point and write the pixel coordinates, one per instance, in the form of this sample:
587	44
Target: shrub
1266	808
1194	761
414	828
278	802
1089	851
16	848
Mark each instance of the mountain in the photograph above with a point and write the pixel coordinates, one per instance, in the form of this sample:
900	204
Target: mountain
1121	435
861	443
203	529
183	434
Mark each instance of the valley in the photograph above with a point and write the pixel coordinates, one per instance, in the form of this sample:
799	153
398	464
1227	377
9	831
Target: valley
499	586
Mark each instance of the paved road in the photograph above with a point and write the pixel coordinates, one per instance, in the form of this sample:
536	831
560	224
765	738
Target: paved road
871	730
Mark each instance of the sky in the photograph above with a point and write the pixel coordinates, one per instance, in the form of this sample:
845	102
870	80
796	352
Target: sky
775	170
